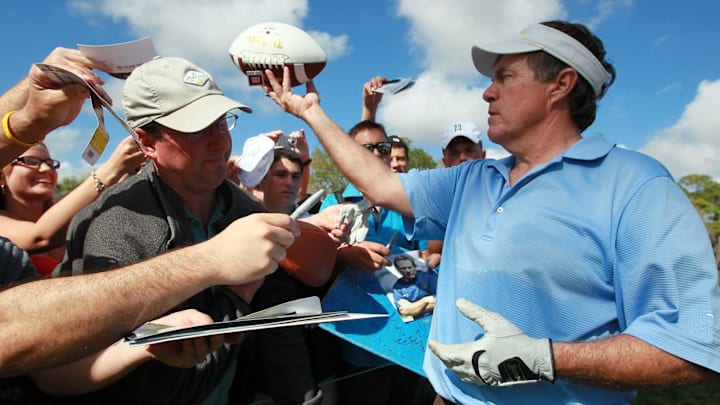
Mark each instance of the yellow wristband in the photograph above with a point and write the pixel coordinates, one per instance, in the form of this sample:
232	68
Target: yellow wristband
8	133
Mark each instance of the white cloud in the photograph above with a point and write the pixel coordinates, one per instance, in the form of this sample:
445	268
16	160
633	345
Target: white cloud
450	88
202	31
435	101
605	9
692	145
445	34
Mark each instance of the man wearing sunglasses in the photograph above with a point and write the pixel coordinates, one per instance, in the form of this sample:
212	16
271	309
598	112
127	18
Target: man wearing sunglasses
369	255
181	197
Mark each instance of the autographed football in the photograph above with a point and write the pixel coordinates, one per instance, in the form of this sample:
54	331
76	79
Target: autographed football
311	257
272	45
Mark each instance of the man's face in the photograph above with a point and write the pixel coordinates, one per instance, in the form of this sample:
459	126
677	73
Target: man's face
372	137
461	149
398	160
281	185
407	269
518	104
193	163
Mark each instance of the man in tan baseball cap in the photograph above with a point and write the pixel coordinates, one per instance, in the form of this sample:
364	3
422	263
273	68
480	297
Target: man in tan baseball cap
183	122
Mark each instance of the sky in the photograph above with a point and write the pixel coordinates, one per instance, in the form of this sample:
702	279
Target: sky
663	102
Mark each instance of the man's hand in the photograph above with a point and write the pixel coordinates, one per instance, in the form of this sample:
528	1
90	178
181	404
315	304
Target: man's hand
366	256
49	105
250	248
371	99
187	352
282	94
332	222
503	356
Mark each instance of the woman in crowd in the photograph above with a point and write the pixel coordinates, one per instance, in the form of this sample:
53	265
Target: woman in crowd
28	215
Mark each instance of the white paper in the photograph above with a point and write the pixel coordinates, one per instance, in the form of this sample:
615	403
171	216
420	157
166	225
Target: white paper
395	86
122	58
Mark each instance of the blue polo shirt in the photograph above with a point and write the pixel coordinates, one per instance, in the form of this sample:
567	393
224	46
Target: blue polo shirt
599	241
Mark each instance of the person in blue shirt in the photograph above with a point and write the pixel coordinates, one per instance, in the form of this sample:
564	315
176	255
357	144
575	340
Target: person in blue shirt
414	293
581	270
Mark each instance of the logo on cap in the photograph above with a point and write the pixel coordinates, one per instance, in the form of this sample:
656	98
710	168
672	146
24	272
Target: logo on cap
196	78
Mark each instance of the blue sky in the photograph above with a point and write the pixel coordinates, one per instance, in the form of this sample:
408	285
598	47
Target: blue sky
663	102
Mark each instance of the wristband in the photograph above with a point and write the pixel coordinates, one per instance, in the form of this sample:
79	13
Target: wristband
99	185
8	132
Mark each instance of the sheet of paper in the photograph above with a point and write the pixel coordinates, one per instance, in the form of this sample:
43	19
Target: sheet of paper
395	86
120	59
304	312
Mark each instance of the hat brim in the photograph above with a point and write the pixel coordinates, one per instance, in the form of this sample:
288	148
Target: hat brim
202	112
484	56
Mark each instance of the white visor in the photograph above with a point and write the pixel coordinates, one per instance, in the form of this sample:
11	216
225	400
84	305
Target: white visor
540	37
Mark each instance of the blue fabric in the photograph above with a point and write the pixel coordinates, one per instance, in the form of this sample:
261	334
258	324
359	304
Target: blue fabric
425	284
380	229
596	242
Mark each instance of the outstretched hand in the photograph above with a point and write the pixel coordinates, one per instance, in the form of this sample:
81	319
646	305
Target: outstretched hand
503	356
282	94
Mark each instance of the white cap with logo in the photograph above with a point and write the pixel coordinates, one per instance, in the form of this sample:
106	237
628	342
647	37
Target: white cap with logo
468	129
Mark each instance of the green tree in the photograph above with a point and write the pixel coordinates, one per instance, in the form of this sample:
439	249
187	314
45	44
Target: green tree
66	185
419	159
704	193
326	176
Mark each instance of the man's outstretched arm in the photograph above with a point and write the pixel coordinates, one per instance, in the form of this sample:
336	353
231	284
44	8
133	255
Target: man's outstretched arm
374	179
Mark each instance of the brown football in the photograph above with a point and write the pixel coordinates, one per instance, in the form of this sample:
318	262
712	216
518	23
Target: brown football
311	257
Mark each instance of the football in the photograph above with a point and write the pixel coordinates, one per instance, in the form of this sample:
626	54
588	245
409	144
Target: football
311	257
272	45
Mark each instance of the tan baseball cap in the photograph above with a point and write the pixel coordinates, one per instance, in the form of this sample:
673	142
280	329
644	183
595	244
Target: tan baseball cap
175	93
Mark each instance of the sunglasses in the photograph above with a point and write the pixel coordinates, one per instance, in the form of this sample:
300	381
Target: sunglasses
36	162
382	147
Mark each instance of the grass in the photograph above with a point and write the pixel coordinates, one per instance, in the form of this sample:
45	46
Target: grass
686	395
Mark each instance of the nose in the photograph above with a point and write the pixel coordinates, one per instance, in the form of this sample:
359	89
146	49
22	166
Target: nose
490	94
44	166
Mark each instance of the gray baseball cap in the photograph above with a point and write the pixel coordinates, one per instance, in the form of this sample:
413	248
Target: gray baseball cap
175	93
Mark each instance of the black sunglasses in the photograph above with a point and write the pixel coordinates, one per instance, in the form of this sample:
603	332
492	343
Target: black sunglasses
36	161
382	147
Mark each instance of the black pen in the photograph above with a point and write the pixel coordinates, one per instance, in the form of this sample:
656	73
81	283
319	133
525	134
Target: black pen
391	81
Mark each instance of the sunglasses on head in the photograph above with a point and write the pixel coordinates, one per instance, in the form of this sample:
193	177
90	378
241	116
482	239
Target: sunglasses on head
36	162
382	147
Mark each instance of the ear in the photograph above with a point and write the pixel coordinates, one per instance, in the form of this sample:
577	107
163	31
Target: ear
146	142
563	83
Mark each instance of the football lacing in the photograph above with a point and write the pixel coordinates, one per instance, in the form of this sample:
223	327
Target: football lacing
263	61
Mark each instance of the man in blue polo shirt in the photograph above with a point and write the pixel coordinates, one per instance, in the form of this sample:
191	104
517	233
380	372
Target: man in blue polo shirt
596	267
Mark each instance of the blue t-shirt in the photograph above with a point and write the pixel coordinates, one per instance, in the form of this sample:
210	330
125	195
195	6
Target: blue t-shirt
425	284
598	241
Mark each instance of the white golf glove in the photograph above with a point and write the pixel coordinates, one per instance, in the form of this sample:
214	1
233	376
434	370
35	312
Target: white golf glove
503	356
358	217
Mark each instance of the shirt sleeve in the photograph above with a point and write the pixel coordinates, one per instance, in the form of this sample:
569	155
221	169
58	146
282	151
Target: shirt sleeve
431	194
665	274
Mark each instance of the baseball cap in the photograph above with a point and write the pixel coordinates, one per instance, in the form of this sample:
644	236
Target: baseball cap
468	129
256	159
539	37
175	93
394	139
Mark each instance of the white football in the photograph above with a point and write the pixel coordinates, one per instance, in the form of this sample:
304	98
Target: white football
272	45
